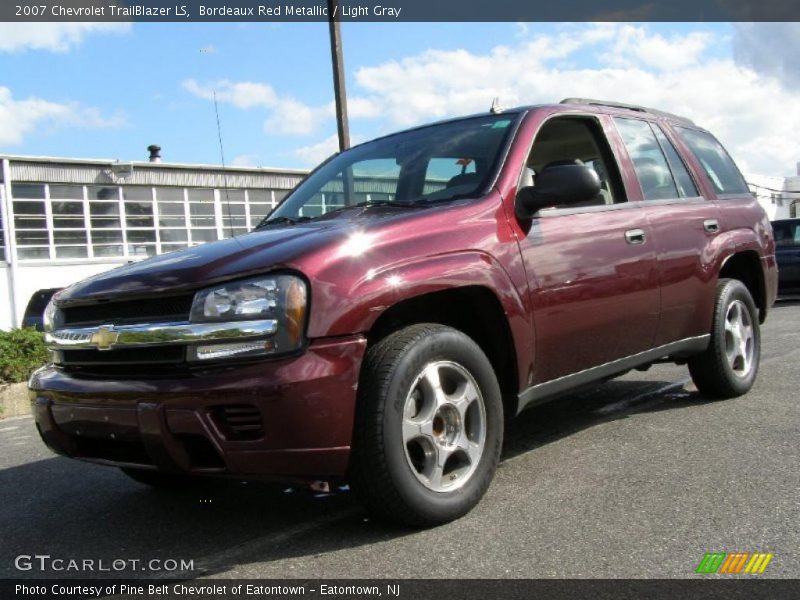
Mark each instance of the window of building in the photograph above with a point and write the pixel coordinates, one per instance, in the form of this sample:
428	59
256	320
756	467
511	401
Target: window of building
139	220
2	229
202	215
69	221
27	191
172	214
261	203
65	221
105	221
233	210
30	220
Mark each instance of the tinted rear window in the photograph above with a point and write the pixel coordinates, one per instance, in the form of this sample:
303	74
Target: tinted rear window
786	234
716	162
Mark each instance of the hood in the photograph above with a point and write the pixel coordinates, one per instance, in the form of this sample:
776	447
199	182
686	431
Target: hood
196	267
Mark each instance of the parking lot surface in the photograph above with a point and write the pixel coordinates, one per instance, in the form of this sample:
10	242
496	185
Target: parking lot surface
637	477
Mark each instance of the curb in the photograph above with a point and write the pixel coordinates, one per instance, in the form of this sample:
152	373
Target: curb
14	400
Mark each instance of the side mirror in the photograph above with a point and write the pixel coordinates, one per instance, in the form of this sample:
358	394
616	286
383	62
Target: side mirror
557	186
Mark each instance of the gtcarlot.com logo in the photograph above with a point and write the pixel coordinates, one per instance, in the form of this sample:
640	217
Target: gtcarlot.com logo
734	563
47	563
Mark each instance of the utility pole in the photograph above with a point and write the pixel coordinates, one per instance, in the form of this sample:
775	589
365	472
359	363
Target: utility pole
338	75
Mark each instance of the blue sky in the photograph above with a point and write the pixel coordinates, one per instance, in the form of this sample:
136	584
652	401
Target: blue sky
109	91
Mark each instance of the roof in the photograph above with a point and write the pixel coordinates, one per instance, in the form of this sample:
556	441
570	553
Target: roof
147	164
89	171
624	106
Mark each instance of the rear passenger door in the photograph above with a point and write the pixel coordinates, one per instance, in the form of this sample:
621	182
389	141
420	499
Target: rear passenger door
683	225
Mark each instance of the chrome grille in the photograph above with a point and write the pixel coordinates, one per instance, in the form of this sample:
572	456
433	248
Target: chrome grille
146	310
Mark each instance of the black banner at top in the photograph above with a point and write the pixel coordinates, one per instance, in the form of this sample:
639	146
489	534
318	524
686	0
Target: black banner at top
400	10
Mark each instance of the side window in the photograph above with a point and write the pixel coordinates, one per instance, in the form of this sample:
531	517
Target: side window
570	140
716	162
649	162
686	186
786	234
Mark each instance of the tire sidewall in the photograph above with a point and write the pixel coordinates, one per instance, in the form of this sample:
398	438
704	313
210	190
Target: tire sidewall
735	290
441	346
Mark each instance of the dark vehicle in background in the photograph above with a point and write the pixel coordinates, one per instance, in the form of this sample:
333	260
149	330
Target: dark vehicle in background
408	297
787	253
34	311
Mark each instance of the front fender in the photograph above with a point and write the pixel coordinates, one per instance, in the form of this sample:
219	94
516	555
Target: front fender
355	309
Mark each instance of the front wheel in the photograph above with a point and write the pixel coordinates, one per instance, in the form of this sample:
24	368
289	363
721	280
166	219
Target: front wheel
429	426
729	365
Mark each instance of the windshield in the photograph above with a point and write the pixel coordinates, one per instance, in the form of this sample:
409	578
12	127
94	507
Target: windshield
442	162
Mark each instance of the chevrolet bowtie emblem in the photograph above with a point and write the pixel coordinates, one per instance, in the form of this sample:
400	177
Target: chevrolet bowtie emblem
104	338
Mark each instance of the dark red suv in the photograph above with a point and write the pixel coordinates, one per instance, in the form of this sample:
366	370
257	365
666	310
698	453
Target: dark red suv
408	296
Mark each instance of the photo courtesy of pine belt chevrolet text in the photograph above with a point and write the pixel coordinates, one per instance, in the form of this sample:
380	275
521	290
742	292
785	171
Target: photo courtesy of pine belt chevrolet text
409	297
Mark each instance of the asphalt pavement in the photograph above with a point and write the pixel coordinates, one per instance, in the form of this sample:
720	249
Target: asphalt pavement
638	477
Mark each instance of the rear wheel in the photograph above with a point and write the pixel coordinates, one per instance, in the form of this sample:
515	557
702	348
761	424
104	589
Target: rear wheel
429	426
729	365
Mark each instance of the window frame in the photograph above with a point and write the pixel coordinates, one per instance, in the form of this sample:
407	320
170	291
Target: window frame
631	162
608	151
700	170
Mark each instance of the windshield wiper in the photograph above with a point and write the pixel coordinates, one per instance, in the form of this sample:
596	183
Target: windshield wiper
367	204
283	221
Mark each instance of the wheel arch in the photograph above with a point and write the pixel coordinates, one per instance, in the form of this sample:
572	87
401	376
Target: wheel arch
745	266
474	310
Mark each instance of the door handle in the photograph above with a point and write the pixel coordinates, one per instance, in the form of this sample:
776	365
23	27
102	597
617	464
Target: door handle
711	225
635	236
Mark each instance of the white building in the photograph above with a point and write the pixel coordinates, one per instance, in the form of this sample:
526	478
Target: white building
780	196
66	219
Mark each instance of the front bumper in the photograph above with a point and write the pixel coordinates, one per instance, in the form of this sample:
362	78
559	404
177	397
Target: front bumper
305	406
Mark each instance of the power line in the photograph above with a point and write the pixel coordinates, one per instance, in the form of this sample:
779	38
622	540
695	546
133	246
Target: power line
769	189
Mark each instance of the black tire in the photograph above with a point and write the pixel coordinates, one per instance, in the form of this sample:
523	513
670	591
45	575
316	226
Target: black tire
161	479
380	472
714	373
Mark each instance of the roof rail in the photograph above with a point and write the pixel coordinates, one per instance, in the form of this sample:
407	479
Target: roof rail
634	107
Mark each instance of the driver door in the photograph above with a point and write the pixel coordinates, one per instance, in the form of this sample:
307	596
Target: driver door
592	268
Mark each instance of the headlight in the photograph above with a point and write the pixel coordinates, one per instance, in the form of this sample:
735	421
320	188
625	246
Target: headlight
279	298
50	317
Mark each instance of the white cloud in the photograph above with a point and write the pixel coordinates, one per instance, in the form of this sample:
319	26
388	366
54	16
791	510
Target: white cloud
361	108
751	113
316	153
287	116
636	46
244	94
55	37
245	160
746	103
292	117
20	117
